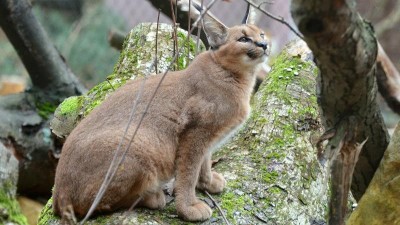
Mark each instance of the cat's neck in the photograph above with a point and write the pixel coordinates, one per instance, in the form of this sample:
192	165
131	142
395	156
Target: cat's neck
219	69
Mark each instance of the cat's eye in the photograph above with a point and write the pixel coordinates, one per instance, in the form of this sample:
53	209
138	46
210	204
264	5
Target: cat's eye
244	39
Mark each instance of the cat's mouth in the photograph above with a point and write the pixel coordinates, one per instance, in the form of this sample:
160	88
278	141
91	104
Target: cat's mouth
254	54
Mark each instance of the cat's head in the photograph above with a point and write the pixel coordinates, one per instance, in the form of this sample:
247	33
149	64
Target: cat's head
245	44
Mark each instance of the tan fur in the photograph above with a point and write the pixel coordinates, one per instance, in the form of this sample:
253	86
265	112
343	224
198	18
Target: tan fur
192	112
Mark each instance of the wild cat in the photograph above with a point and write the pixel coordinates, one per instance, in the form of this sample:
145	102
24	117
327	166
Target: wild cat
192	112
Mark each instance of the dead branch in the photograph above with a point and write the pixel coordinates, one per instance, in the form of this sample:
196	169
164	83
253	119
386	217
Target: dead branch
388	79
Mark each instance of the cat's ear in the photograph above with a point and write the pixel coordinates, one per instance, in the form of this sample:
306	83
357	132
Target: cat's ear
215	30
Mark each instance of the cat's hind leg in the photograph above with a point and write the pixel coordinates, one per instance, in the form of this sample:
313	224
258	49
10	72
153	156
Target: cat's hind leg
153	200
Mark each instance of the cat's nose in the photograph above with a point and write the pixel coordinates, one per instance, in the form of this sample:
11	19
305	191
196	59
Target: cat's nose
262	44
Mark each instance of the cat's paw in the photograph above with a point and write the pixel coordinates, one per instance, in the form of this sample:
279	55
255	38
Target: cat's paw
154	200
199	211
215	186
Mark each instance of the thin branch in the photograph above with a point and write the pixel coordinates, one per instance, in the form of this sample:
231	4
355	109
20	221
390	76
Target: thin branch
156	59
198	32
277	18
219	208
175	41
188	37
113	168
388	79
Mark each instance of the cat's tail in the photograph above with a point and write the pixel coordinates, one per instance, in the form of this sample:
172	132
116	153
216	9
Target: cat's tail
62	206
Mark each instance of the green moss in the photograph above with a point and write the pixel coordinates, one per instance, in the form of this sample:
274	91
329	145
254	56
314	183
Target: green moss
45	109
269	177
71	105
47	213
10	210
233	203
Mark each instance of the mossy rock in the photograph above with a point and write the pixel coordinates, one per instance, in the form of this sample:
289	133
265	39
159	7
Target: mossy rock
10	212
271	168
137	59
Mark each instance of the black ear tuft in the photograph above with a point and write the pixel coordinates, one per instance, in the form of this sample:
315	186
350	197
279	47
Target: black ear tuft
246	16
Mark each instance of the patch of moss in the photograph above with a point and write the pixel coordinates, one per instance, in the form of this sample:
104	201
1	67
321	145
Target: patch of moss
47	213
45	109
235	204
10	210
71	105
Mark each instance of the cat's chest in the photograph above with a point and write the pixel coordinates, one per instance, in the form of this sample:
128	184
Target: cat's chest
233	124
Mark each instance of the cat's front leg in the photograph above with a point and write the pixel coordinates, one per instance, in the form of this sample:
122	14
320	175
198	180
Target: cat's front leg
210	181
191	152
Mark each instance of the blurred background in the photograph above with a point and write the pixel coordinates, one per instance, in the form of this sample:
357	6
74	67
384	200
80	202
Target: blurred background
80	29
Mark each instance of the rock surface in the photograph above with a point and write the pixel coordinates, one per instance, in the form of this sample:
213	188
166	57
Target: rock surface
10	212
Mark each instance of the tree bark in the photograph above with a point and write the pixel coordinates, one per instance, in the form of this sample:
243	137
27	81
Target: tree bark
345	51
271	168
46	67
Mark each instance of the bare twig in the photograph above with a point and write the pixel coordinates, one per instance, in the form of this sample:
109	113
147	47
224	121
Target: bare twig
114	167
219	208
175	42
188	37
156	59
110	84
277	18
135	203
198	33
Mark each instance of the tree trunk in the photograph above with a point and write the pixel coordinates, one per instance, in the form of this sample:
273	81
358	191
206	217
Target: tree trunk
270	166
345	51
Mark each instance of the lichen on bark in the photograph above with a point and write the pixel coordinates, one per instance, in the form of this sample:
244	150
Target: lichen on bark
271	169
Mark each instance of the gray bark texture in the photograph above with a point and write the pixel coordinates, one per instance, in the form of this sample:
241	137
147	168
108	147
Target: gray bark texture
272	172
345	51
